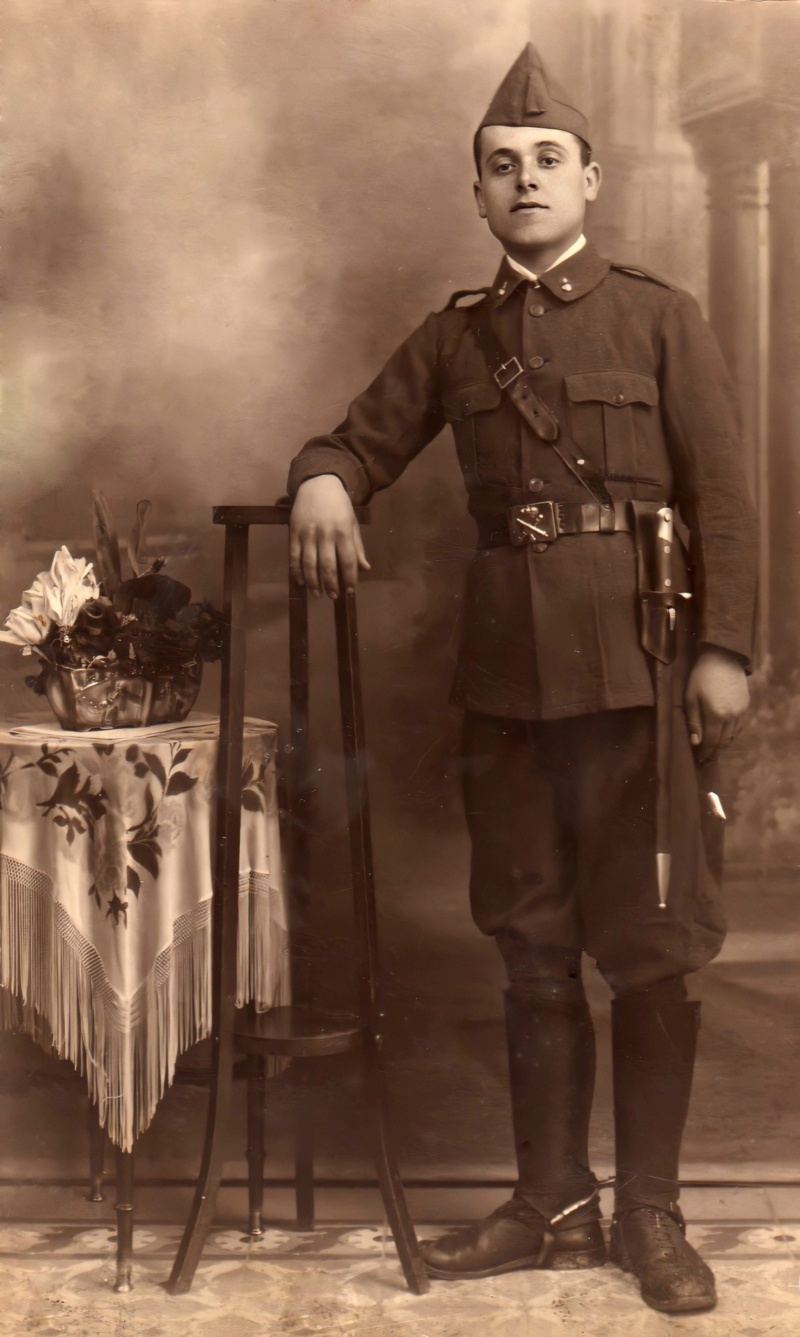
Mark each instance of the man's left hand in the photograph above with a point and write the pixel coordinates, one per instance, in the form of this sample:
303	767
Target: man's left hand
717	697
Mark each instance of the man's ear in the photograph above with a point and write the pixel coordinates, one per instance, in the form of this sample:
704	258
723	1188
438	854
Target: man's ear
593	176
476	186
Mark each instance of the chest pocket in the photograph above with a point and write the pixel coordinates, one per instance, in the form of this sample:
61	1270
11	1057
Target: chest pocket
470	410
613	416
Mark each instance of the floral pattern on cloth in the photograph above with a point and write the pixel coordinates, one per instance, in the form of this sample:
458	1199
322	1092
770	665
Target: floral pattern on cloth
106	859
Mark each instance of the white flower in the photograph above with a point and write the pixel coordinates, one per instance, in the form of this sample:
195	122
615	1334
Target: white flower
68	585
35	599
25	628
57	595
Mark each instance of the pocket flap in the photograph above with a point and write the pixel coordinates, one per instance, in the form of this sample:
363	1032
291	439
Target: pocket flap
471	399
612	387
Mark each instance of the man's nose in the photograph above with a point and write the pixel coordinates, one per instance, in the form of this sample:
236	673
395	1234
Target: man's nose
527	178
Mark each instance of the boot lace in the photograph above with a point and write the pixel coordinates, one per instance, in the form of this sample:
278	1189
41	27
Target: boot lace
667	1234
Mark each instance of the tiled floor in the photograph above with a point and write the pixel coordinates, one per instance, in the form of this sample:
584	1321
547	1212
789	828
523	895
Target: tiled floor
57	1281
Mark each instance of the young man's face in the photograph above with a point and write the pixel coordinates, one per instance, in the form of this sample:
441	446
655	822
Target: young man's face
534	189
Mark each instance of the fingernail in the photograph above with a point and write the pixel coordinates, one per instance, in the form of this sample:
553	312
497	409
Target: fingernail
694	739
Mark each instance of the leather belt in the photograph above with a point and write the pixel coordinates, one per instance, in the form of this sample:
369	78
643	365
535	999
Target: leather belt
542	522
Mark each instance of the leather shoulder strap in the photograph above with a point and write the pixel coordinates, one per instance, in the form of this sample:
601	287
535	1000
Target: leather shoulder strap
510	376
480	293
639	272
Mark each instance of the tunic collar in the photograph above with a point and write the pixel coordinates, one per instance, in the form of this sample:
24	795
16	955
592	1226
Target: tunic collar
568	279
565	255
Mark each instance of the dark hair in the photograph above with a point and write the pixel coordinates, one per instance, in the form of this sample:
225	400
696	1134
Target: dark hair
586	152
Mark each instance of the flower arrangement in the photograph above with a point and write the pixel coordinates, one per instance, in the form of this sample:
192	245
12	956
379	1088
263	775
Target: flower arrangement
118	644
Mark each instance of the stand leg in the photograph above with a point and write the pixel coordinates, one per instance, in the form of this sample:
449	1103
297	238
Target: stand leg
225	910
304	1148
97	1145
394	1199
355	768
299	805
255	1140
205	1196
124	1209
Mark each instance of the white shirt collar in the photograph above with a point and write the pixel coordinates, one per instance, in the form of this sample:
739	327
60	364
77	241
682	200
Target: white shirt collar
534	278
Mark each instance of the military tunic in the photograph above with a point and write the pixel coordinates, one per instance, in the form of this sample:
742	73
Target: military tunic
637	382
559	742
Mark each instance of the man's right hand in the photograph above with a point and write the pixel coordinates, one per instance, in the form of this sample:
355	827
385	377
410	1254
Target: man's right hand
324	537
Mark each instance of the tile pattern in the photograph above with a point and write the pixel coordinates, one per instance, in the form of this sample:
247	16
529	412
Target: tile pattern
344	1281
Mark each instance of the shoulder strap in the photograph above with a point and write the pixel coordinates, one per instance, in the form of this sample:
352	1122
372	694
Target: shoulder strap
481	293
639	272
508	373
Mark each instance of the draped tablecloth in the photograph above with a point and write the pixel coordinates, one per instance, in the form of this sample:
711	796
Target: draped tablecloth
106	856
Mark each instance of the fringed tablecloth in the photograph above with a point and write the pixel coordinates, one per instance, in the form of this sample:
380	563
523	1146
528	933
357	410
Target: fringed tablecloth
106	856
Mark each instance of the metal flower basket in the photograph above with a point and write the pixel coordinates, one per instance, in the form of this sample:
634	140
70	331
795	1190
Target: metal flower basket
113	697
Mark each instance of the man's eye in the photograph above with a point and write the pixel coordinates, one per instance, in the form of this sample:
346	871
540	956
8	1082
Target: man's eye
549	161
505	167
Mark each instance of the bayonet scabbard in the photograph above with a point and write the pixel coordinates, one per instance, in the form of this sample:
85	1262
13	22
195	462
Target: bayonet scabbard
658	601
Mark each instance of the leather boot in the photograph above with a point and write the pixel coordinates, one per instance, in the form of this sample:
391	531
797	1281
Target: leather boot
654	1048
652	1244
551	1060
552	1221
512	1237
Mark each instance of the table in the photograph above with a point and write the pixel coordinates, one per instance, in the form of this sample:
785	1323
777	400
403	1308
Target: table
106	854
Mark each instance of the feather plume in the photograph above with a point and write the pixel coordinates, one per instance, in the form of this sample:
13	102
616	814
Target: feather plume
136	539
106	543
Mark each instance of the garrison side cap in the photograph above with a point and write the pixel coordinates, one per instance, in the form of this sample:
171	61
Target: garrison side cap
527	96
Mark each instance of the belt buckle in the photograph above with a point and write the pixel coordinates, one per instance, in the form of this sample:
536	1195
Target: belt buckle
508	373
535	523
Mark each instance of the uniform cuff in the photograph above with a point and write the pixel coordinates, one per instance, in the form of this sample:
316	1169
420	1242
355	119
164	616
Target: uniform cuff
327	460
742	659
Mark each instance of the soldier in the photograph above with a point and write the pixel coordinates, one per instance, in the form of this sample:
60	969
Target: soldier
587	398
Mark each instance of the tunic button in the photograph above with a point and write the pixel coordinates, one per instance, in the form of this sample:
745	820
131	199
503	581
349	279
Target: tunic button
536	362
539	547
619	398
537	309
536	484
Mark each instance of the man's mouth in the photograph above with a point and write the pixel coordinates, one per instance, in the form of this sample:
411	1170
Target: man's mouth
528	204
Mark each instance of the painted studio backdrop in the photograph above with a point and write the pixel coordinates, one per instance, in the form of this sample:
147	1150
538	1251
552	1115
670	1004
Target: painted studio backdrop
220	217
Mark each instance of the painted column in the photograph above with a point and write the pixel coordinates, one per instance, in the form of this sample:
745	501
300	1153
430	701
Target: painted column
784	418
740	110
738	272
